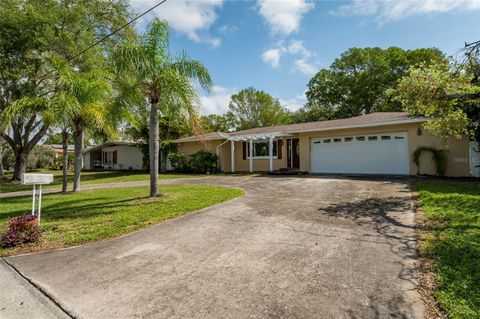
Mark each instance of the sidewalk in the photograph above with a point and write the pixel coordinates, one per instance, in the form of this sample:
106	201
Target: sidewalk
20	299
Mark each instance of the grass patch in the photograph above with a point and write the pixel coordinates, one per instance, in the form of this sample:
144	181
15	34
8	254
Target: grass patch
90	177
452	242
93	215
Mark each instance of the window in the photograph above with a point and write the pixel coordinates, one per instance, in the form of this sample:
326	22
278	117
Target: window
399	137
386	137
337	140
327	141
110	157
360	138
260	149
373	138
348	139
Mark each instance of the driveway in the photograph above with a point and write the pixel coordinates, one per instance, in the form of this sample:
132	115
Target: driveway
293	247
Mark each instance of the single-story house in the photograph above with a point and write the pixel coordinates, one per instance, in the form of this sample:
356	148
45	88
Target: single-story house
113	155
58	149
376	143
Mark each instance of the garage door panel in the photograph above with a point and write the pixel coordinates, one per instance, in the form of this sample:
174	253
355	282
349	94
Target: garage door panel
388	154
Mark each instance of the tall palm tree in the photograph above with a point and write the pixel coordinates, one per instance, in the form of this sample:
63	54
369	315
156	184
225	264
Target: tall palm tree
146	65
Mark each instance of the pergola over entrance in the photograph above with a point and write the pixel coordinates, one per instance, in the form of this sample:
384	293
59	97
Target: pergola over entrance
251	138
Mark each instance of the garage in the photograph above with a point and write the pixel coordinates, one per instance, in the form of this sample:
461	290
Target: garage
362	154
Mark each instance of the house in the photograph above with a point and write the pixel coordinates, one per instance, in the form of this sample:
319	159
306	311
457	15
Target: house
376	143
58	149
114	155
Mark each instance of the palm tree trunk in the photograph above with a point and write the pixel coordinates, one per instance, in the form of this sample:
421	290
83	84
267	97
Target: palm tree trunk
65	161
77	161
1	156
153	148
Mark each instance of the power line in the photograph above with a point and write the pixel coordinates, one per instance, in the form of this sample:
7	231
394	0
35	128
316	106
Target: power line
109	35
116	31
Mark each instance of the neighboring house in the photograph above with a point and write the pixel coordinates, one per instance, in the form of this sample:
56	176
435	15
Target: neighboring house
377	143
115	155
58	149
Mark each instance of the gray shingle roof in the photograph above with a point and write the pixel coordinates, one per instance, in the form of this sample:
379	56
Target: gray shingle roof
379	118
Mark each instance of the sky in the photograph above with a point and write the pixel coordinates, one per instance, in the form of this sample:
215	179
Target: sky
278	45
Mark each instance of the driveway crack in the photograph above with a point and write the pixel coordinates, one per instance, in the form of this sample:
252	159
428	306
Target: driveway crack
40	290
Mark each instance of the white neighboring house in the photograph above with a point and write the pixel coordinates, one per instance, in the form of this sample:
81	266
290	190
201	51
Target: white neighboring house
113	155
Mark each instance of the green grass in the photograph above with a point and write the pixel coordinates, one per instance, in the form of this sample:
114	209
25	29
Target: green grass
90	177
86	216
453	243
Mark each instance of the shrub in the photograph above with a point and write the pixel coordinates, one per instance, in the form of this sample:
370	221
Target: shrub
41	157
179	161
16	235
204	162
200	162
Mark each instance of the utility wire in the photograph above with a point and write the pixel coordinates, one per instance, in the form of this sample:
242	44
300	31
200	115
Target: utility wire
109	35
116	31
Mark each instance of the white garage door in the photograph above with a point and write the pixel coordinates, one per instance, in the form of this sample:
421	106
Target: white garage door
363	154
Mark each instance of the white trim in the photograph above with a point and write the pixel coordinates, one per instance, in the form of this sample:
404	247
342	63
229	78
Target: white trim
265	156
250	145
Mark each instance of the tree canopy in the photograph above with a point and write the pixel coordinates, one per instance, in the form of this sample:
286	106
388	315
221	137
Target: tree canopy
251	108
358	81
34	36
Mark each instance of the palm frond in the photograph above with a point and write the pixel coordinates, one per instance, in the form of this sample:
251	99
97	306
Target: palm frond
194	70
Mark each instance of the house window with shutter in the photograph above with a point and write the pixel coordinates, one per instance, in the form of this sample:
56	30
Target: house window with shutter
260	149
110	158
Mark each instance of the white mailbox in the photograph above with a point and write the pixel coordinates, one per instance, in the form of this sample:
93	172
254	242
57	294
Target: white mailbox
37	179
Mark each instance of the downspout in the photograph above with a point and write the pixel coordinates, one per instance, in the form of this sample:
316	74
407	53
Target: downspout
218	147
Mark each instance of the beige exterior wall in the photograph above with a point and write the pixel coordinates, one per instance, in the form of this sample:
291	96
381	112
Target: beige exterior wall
457	155
224	152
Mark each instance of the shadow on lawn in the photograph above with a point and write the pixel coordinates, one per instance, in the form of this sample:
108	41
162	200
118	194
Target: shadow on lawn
77	208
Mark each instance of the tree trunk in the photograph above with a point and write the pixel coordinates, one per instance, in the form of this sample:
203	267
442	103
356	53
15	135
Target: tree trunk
153	148
65	162
77	162
1	156
20	165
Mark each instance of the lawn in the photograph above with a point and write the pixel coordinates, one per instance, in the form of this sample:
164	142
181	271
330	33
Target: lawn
91	177
452	242
75	218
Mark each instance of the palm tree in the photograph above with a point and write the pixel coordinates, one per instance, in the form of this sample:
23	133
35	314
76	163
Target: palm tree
83	104
146	65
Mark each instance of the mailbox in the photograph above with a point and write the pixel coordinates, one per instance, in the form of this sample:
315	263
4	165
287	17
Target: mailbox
37	179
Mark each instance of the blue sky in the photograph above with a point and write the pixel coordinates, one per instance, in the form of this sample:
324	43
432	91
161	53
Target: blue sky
277	45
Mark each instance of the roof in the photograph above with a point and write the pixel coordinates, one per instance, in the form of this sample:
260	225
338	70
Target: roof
70	148
109	144
205	137
372	119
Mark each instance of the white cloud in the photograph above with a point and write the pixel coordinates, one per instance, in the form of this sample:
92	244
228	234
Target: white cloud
272	57
294	103
217	103
295	48
303	66
386	10
284	16
191	17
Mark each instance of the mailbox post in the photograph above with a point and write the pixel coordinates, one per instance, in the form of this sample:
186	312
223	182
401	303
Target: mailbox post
37	179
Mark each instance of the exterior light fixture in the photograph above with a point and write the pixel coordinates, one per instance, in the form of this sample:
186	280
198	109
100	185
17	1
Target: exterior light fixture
419	131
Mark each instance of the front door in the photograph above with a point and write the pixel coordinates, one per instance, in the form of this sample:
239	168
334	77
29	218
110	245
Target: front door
293	157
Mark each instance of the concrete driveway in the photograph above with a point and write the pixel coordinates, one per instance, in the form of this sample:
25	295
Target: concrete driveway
293	247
